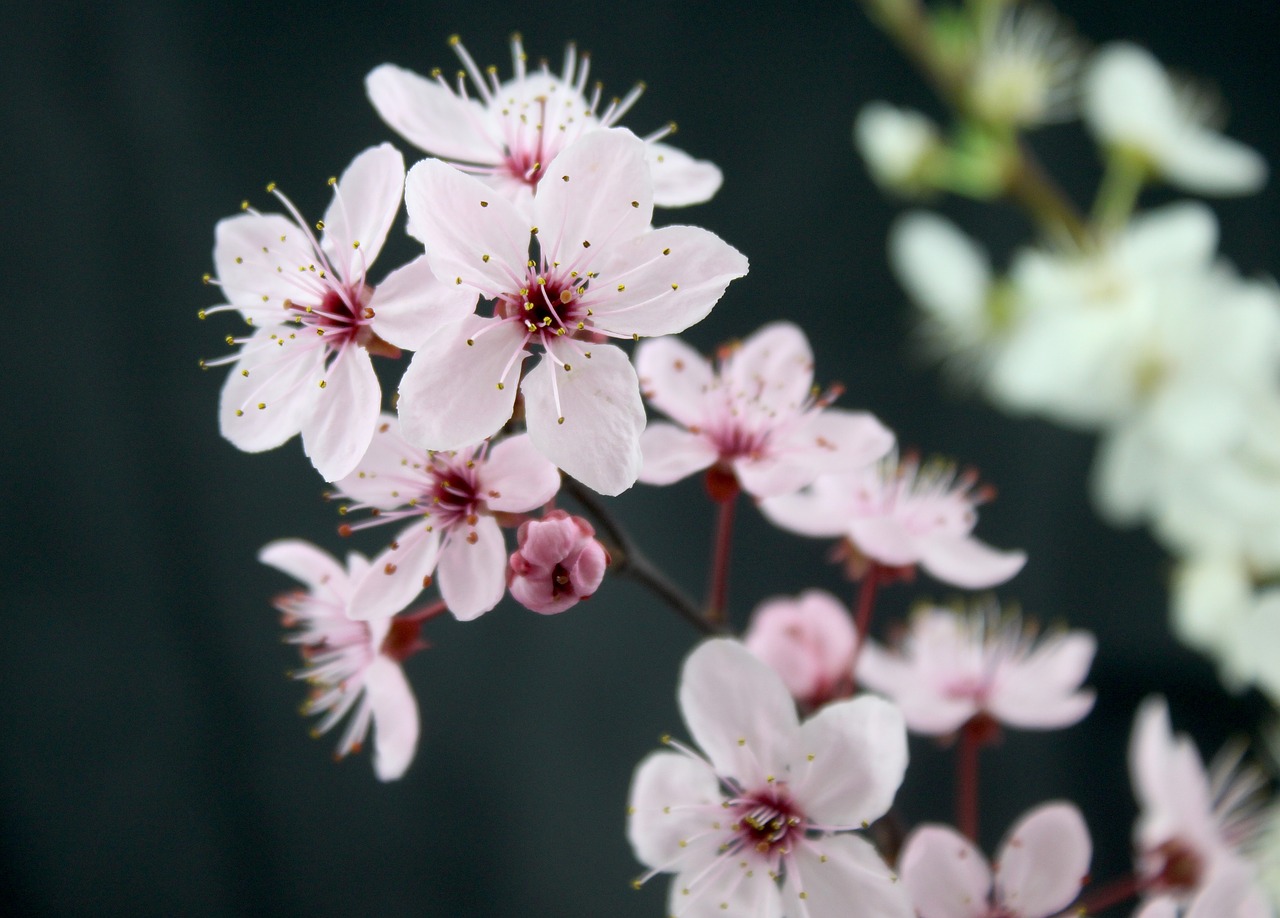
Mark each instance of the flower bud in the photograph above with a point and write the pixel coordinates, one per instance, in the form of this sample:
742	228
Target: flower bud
558	562
809	642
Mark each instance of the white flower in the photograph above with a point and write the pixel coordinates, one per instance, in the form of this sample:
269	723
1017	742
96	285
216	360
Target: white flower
896	143
1130	103
772	799
1025	73
510	134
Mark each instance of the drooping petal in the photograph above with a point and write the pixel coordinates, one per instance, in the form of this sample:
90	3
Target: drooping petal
670	279
455	394
828	442
257	257
473	573
827	877
588	420
886	540
678	179
738	711
411	304
396	576
1043	861
395	718
673	799
942	269
966	562
1208	163
338	431
855	756
474	237
516	478
671	454
674	378
429	116
773	366
945	874
365	203
271	390
1042	691
303	562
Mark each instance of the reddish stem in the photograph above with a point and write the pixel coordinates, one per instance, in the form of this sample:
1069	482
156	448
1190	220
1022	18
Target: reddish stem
862	618
1121	889
967	780
718	590
426	613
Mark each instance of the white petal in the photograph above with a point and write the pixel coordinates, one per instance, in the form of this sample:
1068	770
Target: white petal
473	574
249	248
836	871
678	179
1208	163
340	427
430	116
303	562
964	561
671	454
738	711
774	366
663	293
854	757
943	270
365	202
395	577
674	378
395	718
598	442
726	888
818	511
886	540
1177	236
411	304
275	371
1044	861
1127	97
673	799
833	441
454	394
385	476
945	874
516	478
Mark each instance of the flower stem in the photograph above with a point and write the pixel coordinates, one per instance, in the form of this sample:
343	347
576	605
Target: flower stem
862	619
718	588
1119	890
967	780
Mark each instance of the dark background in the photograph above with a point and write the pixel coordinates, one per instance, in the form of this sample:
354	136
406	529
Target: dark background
151	758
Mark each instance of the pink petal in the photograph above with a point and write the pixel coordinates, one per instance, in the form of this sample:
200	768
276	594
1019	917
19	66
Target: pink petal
775	366
473	574
365	203
663	293
411	304
395	718
516	478
808	641
1166	907
303	562
384	477
738	711
886	540
340	427
772	476
395	576
836	441
454	394
283	378
818	511
1043	861
595	194
728	888
678	179
837	871
461	220
945	874
429	116
855	754
674	378
1043	691
671	454
668	795
248	248
598	442
965	562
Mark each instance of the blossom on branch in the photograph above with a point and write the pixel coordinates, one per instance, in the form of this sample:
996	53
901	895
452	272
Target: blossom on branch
809	642
558	563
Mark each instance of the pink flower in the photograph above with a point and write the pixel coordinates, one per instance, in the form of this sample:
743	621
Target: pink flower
1194	827
599	272
951	667
307	368
451	499
558	564
353	666
771	800
758	417
901	515
513	130
1038	871
809	642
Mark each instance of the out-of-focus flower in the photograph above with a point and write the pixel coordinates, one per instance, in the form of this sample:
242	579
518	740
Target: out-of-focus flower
901	515
758	418
1025	72
771	798
508	133
353	666
952	667
558	563
451	499
809	642
1132	105
601	272
898	144
1193	827
1038	870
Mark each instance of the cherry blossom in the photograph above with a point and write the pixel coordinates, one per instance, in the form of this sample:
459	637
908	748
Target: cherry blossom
598	271
558	563
809	642
307	368
510	132
449	500
900	515
1038	870
758	418
1194	826
951	667
770	800
353	666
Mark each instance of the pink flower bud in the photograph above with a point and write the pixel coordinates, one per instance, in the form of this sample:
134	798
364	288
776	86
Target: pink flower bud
809	642
558	563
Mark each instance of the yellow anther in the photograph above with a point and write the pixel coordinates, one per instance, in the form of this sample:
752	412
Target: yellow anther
484	203
501	386
239	413
355	244
200	315
666	251
484	258
205	278
244	205
319	224
675	286
262	406
560	420
271	186
621	287
323	384
333	180
586	243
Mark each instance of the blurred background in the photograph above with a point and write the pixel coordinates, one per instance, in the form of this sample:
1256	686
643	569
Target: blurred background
152	761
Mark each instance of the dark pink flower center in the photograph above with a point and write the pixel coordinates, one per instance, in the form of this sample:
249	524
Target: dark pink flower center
549	305
452	491
768	822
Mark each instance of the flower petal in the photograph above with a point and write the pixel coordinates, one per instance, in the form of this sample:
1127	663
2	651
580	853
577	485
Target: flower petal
942	269
674	378
773	366
454	394
412	303
825	877
257	257
1044	861
516	478
670	279
386	477
395	718
473	573
678	179
886	540
338	431
965	562
1208	163
671	454
945	874
598	440
303	562
271	390
673	799
1043	690
429	116
819	510
396	576
365	203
